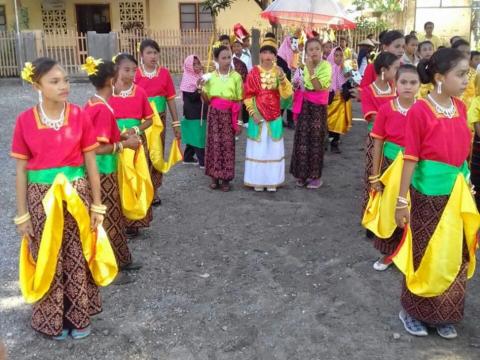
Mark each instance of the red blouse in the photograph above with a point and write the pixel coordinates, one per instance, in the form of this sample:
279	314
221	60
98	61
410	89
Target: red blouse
432	136
46	148
160	85
135	106
103	122
369	76
371	101
390	124
267	101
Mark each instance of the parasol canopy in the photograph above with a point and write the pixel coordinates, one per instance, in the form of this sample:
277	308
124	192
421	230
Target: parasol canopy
309	13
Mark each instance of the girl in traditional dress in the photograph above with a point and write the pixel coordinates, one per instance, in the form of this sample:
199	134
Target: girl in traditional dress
158	84
339	111
194	122
56	139
411	50
265	154
441	218
474	122
425	50
311	107
223	89
134	115
392	42
101	74
327	49
470	92
374	96
388	135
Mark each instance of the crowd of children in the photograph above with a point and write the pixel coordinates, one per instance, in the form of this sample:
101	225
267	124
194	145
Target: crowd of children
105	161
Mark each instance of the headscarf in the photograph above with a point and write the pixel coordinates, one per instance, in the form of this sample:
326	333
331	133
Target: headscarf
337	72
285	51
189	78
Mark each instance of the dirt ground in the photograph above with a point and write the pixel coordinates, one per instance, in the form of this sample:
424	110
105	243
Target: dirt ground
237	276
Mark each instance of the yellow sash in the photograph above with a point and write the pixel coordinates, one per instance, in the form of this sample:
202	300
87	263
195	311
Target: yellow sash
134	183
443	257
36	277
155	145
379	216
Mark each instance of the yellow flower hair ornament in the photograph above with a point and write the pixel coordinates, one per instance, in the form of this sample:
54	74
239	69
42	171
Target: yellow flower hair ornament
217	44
138	47
28	72
114	58
91	65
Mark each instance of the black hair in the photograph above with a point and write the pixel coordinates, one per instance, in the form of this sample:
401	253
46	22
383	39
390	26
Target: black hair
315	34
390	36
409	38
270	35
454	38
423	43
474	53
381	35
105	70
413	32
41	66
428	23
406	68
124	56
383	61
460	42
149	43
268	48
441	62
224	37
312	40
218	50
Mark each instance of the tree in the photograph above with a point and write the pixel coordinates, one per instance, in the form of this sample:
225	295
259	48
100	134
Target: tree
379	5
215	6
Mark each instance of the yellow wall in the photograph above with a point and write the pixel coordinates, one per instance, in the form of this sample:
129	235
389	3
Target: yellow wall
167	16
10	13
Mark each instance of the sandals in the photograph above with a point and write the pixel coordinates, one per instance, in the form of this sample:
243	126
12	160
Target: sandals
156	201
214	185
225	186
446	331
380	265
315	184
62	336
412	325
78	334
301	182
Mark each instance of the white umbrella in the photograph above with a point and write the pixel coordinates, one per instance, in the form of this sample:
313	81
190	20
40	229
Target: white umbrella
328	13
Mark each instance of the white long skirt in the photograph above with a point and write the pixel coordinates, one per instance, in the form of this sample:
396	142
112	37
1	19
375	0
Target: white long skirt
264	161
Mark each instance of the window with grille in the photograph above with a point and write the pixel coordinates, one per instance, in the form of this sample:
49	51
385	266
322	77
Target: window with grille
132	14
193	16
54	20
3	18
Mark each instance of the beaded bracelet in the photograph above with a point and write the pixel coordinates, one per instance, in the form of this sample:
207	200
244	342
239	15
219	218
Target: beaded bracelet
114	148
137	130
19	220
120	147
403	200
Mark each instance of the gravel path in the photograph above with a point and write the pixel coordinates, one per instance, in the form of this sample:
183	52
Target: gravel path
237	276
